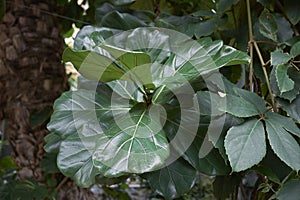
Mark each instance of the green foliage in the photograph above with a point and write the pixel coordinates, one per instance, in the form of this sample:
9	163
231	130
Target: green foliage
150	100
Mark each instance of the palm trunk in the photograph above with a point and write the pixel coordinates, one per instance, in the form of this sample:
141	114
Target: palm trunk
31	78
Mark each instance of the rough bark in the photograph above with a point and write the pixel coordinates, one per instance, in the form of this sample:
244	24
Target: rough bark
31	78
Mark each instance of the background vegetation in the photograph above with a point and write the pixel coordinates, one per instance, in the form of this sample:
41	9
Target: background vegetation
264	164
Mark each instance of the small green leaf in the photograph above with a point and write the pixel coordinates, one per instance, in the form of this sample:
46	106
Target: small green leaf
290	95
295	50
290	190
277	58
282	143
268	25
292	109
245	145
285	84
173	180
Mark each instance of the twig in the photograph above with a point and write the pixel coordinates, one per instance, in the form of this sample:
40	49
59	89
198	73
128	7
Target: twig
62	183
263	64
250	45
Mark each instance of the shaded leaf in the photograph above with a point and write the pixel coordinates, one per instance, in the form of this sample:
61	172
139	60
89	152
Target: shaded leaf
121	21
292	109
173	180
290	95
292	11
225	185
245	144
282	143
284	82
295	50
223	5
268	25
290	190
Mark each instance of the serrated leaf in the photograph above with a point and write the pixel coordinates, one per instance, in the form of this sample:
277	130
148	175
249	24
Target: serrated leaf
245	145
290	190
290	95
173	180
268	25
285	84
282	143
285	122
135	145
295	50
292	109
277	58
243	103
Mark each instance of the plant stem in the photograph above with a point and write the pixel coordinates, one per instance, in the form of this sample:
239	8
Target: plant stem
62	183
263	64
250	45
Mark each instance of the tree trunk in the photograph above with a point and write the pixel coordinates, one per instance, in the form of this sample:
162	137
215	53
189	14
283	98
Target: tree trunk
31	78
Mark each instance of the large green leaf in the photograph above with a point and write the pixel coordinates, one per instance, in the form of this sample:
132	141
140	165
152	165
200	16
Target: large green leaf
268	25
74	159
245	144
290	190
135	145
136	64
195	59
173	180
94	66
282	143
285	84
123	64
